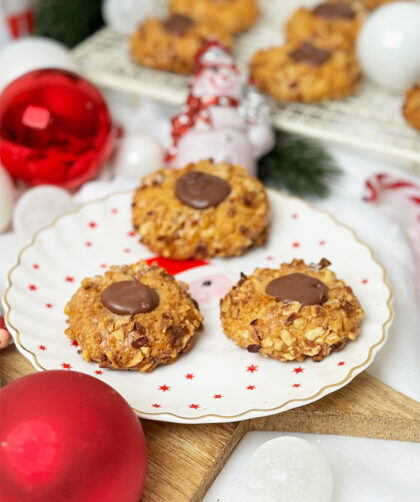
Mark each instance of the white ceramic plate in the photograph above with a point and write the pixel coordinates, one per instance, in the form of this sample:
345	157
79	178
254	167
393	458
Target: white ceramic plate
217	381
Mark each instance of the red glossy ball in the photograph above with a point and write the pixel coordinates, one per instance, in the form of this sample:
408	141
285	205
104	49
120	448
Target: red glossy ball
55	128
66	436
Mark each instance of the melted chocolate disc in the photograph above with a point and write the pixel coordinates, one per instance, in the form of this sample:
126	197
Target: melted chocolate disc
129	297
200	190
300	288
334	10
178	24
309	54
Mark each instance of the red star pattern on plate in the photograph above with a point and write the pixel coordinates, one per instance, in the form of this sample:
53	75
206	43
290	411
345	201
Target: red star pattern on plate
49	305
114	210
194	406
155	405
269	258
295	216
66	366
189	376
296	385
92	224
164	388
75	343
341	363
321	243
88	244
299	369
296	244
32	287
218	396
127	250
131	233
69	279
98	372
35	266
42	347
250	387
252	368
103	265
365	281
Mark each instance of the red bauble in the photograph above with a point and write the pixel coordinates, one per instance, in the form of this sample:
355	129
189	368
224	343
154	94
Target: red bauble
55	128
66	436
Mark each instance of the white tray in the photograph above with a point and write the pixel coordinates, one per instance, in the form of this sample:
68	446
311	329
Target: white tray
371	119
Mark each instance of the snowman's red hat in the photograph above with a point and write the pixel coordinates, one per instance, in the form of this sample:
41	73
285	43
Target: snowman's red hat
214	53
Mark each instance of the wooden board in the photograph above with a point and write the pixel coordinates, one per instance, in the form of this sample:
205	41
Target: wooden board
185	459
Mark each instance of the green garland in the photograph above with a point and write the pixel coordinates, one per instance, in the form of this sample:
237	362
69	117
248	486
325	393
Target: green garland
298	165
68	21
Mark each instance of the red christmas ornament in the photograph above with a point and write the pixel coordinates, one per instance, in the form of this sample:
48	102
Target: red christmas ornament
55	129
68	436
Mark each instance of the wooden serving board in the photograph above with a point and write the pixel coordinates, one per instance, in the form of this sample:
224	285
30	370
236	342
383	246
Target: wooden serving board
185	459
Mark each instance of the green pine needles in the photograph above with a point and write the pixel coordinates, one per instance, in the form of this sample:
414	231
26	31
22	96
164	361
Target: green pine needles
298	165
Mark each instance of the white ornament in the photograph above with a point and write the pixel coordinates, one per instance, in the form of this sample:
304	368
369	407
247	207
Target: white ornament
7	198
138	155
32	53
126	15
37	207
288	469
388	45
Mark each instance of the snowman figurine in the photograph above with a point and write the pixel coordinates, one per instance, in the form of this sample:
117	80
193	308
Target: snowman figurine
212	124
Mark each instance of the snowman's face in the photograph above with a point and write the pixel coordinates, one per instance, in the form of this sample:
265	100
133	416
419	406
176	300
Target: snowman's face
218	81
208	290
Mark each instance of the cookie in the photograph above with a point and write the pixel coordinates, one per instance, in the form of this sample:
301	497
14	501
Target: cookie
411	108
201	211
335	21
291	313
305	71
135	317
171	44
233	16
374	4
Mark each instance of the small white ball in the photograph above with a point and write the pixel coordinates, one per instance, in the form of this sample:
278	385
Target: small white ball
37	207
32	53
125	15
7	197
288	469
138	155
388	45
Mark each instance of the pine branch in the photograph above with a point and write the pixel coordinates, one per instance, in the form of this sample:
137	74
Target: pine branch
298	165
68	21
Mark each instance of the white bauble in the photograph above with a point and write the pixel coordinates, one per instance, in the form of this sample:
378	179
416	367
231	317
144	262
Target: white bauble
125	15
37	207
7	197
32	53
388	45
138	155
288	469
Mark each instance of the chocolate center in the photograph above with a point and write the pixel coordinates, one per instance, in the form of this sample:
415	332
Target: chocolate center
309	54
200	190
300	288
178	24
334	10
129	297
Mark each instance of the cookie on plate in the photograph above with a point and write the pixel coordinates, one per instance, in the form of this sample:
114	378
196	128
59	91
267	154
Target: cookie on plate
171	44
291	313
135	317
233	16
306	71
201	211
411	108
335	21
